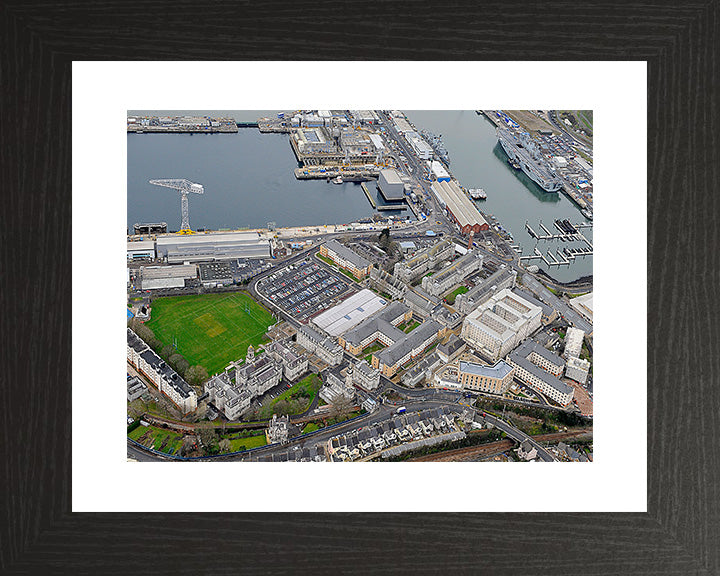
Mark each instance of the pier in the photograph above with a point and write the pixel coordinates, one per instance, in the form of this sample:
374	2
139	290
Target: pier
367	193
180	125
347	174
562	256
568	232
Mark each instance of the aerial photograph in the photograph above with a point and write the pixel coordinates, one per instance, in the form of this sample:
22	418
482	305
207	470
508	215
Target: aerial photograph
360	285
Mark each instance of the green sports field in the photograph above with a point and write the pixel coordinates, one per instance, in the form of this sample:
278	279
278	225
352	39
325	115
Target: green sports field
210	330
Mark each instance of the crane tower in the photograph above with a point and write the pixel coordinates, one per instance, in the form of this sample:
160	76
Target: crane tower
184	187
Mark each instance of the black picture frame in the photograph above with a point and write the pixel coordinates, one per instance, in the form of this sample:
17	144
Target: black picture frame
680	533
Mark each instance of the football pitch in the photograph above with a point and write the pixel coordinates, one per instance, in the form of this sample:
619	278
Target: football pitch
210	330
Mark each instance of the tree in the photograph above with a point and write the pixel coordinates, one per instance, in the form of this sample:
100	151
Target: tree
178	362
201	410
167	351
384	238
224	445
196	375
341	407
206	432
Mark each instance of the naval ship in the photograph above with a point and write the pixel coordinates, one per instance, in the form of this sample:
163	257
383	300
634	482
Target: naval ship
523	151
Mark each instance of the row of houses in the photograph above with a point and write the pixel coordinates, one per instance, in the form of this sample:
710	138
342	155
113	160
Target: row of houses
401	429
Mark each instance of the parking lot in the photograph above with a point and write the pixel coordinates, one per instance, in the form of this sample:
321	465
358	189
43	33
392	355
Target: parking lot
303	289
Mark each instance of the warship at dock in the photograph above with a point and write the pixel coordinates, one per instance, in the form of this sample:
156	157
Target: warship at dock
524	153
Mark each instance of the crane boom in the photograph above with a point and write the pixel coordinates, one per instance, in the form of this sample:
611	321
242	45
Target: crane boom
184	187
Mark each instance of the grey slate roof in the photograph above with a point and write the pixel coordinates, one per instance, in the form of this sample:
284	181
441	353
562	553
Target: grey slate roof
378	322
499	370
345	253
520	355
390	355
525	295
451	346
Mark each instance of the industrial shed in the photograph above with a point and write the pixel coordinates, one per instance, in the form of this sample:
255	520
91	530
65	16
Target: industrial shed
391	185
209	247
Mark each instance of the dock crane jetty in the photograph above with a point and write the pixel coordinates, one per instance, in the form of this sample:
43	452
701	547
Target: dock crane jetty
185	187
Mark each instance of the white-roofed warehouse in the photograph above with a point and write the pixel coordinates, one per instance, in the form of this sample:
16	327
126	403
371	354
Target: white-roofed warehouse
339	319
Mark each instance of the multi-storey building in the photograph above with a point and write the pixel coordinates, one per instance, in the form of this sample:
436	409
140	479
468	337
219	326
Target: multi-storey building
381	327
335	388
427	259
257	374
387	283
346	258
278	430
389	360
539	369
451	349
577	369
496	326
452	275
234	390
294	364
160	374
503	278
366	376
324	347
492	379
573	342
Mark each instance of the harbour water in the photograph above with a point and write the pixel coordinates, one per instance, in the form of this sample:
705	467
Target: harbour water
249	181
478	161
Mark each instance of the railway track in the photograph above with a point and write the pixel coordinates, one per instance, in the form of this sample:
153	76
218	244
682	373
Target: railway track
492	448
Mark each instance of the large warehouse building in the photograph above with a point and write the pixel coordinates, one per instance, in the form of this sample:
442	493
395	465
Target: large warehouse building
391	185
208	247
349	313
459	207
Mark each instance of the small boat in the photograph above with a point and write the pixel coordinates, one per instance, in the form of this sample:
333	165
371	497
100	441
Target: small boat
337	180
477	194
587	214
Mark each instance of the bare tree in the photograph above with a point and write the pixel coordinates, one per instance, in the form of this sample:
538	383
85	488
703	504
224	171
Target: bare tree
341	407
224	445
207	434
